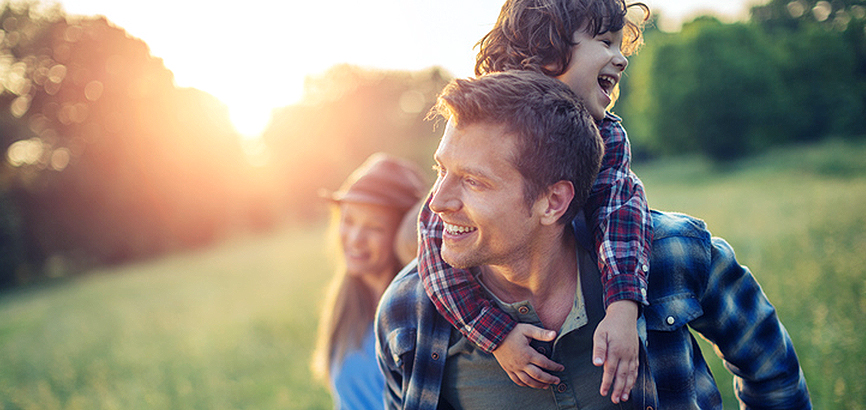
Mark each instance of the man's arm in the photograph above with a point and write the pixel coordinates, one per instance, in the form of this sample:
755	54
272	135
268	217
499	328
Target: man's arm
740	320
393	395
395	325
411	344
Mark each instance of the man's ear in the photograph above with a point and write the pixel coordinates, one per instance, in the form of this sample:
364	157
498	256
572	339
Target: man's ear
556	201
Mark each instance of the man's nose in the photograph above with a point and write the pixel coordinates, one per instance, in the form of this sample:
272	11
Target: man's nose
444	196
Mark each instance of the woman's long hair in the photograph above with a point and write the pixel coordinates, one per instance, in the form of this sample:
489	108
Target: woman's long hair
350	304
349	307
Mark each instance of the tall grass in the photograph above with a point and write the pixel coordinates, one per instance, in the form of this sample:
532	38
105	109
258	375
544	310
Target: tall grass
229	328
232	327
797	219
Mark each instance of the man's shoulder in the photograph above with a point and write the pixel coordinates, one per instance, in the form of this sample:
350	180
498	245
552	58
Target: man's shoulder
405	292
673	224
406	279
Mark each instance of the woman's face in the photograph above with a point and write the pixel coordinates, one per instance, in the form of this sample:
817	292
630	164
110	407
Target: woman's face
367	236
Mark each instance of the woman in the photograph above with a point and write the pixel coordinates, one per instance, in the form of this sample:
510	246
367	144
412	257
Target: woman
368	211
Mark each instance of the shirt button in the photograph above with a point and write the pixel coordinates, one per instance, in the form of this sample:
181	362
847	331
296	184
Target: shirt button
643	292
671	320
644	268
435	356
561	387
523	310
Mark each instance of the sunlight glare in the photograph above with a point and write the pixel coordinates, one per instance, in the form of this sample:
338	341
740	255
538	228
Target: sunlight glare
250	120
254	55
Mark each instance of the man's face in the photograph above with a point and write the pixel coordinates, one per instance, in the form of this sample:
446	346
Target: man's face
595	69
479	196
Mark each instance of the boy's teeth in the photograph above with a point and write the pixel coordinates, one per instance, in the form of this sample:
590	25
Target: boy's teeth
606	82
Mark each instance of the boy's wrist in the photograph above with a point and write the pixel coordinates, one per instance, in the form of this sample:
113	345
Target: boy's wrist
623	308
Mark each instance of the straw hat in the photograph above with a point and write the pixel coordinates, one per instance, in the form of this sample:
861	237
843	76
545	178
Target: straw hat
383	180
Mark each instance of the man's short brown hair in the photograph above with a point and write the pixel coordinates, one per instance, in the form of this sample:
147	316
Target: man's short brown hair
555	137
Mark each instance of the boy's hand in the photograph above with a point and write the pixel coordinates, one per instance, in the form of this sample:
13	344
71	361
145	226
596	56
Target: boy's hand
615	345
522	363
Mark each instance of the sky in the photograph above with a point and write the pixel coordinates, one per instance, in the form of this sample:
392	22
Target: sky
253	55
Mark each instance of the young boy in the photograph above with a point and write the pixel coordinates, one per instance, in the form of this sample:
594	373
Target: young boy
582	43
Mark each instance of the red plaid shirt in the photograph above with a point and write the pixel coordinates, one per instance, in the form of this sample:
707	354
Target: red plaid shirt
622	232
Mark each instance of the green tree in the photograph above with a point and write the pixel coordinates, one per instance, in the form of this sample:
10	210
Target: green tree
347	114
823	64
729	90
709	89
106	159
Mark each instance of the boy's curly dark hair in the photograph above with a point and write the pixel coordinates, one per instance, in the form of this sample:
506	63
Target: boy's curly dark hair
538	35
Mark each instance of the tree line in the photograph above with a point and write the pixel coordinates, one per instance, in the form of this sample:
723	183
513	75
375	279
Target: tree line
104	160
794	72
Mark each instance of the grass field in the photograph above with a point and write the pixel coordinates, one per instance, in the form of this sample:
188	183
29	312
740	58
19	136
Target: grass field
232	327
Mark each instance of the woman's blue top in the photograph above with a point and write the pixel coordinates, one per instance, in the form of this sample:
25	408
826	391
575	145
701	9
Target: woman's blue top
357	382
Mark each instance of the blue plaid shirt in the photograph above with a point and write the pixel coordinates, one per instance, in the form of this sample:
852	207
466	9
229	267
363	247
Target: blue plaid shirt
694	280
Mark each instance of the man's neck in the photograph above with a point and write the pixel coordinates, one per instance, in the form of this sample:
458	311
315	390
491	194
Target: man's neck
546	277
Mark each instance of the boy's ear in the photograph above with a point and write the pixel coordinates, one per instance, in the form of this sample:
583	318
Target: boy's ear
556	201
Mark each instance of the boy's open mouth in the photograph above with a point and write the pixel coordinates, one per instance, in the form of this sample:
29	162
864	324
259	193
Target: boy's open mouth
606	83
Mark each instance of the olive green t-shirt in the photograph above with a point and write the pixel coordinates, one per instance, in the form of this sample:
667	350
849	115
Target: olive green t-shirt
473	378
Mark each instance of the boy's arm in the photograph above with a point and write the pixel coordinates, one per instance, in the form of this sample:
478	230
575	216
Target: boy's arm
615	346
620	220
622	228
456	294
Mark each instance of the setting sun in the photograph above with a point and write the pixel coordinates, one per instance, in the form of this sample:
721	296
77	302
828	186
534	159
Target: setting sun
254	55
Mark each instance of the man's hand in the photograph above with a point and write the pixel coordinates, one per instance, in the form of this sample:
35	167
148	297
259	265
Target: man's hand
615	345
521	362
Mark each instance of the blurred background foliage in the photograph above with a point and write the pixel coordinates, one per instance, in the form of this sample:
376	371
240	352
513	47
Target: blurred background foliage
106	161
795	72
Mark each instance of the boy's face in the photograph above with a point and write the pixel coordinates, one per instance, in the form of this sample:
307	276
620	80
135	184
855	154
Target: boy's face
595	69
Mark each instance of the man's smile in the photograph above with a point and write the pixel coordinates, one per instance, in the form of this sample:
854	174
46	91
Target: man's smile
457	230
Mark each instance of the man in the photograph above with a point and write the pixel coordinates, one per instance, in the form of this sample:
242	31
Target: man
516	162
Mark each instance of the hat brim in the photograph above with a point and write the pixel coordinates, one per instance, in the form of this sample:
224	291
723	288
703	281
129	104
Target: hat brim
355	197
